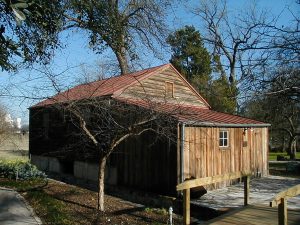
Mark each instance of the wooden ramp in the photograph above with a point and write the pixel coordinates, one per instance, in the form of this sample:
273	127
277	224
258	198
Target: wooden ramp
255	215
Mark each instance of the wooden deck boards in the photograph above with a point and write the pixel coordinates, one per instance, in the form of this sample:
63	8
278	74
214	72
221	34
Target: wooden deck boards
255	215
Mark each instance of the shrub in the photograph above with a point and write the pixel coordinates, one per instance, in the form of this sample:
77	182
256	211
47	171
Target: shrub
19	169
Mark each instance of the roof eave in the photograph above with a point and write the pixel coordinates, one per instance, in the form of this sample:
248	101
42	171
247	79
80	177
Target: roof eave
234	125
64	102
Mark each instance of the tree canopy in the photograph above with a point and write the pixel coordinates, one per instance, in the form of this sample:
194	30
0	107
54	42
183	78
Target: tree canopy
190	57
121	26
28	31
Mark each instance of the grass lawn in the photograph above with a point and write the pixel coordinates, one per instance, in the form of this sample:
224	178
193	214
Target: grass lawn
13	155
273	155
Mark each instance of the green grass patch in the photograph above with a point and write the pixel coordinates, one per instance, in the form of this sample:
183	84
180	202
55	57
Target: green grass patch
161	211
22	185
53	210
13	155
273	155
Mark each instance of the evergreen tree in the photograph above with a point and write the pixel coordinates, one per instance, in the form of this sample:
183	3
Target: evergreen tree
191	58
222	95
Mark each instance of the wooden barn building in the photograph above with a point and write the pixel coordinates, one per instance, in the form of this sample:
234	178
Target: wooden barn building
208	142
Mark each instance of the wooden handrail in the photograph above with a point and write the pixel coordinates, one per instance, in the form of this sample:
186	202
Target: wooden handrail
281	200
210	180
187	185
289	193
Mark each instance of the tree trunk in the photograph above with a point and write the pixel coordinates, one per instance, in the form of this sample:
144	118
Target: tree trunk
101	173
232	73
122	59
292	148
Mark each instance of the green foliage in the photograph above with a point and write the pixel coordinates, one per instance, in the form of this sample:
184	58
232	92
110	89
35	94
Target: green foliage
222	96
161	211
191	58
28	32
19	169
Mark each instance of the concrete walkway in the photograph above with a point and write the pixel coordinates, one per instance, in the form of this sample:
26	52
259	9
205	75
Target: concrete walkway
14	211
262	191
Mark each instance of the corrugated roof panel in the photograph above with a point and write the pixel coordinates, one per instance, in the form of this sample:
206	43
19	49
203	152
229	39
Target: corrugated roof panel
98	88
188	114
196	115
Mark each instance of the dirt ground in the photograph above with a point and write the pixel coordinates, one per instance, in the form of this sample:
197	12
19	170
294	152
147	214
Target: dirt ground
81	205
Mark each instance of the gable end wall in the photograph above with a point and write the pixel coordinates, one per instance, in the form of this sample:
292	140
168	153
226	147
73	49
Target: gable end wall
154	88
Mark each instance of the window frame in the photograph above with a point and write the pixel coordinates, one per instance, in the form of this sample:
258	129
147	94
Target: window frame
222	138
167	93
245	137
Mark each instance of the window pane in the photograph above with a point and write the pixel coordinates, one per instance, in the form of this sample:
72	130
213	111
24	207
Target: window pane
225	142
221	134
225	134
220	142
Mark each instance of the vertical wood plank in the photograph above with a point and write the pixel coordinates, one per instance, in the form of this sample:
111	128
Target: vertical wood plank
203	143
186	206
192	152
232	149
197	148
282	212
178	154
246	190
186	153
209	152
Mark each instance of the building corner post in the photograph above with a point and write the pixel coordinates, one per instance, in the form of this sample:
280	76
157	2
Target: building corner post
182	132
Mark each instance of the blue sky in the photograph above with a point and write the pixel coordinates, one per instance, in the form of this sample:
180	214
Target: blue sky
77	52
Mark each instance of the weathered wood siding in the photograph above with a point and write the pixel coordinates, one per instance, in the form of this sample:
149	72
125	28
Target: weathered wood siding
204	158
146	163
154	88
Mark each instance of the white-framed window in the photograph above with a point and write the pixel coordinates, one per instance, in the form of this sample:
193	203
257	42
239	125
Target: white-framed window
223	138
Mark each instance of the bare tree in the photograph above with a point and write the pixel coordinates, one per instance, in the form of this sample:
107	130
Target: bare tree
101	124
278	103
234	39
5	127
120	25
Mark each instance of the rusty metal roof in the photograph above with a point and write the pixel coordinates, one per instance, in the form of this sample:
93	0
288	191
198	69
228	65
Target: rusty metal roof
99	88
188	114
192	115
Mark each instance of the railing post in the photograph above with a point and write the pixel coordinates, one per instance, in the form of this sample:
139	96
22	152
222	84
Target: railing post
282	212
246	190
186	206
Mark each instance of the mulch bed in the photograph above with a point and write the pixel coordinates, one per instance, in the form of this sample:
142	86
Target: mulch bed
80	205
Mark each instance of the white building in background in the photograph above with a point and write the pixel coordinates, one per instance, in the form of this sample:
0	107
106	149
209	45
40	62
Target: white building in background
13	123
9	120
18	124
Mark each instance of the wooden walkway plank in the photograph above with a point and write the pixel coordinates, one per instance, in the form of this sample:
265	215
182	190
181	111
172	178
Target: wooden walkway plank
254	215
